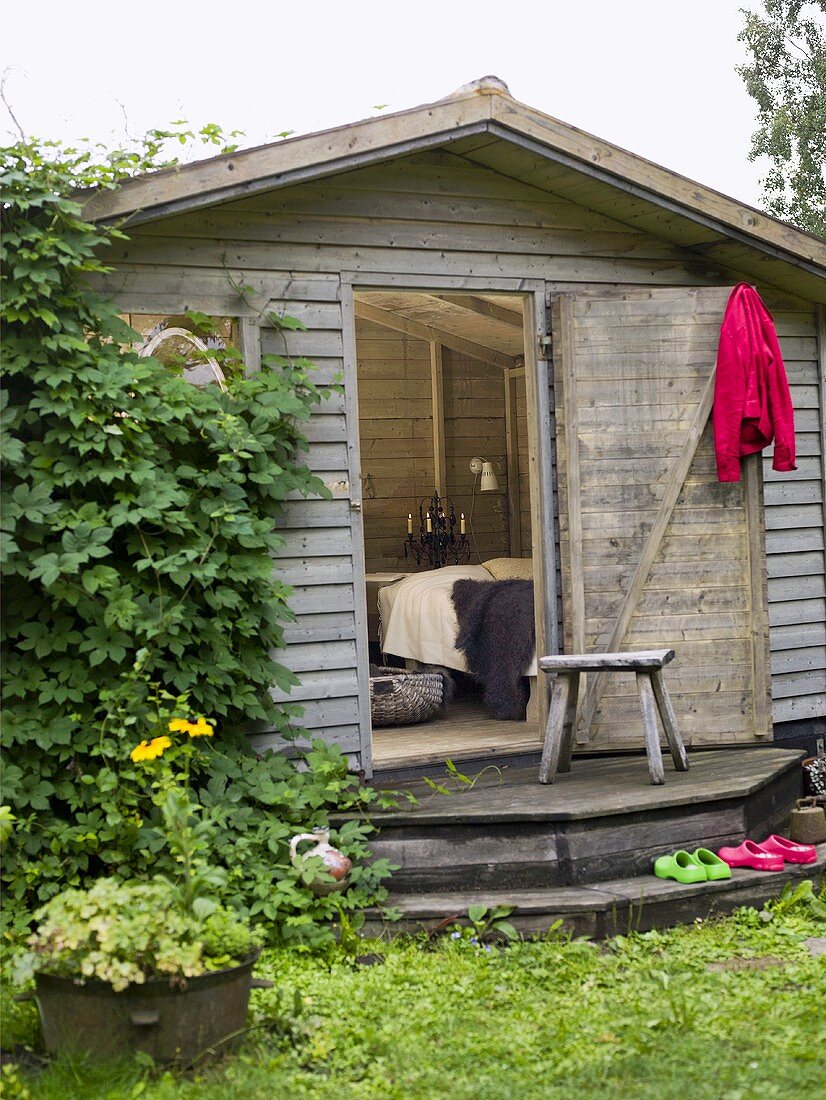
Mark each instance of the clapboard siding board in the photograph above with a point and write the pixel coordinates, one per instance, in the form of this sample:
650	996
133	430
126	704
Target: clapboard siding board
804	538
321	626
303	657
798	615
798	706
436	217
184	255
348	739
334	569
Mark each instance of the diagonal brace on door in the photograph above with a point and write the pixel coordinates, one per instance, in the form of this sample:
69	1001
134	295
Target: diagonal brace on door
650	550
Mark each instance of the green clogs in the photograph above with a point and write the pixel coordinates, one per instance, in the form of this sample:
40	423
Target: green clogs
681	866
715	868
701	865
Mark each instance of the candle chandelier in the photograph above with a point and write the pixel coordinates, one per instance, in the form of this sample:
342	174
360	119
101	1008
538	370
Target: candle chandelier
439	541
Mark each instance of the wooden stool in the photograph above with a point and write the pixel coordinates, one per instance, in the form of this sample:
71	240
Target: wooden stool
647	666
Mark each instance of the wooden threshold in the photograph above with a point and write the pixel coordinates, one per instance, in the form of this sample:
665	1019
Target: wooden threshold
466	732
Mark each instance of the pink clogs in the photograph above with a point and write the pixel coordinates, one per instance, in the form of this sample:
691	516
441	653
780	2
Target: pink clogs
789	850
749	854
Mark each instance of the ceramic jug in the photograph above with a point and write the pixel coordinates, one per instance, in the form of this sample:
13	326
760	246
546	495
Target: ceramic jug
335	862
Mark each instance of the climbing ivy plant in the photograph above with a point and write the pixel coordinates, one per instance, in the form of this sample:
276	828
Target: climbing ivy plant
139	526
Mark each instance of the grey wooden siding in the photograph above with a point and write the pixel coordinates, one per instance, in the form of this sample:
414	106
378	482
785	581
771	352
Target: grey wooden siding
318	551
426	217
794	537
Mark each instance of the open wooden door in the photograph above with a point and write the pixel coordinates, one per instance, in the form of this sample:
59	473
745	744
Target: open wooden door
655	551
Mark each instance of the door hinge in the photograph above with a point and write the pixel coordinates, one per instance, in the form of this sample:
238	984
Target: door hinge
545	346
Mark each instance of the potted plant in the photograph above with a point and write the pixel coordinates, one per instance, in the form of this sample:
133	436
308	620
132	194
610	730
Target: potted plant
159	966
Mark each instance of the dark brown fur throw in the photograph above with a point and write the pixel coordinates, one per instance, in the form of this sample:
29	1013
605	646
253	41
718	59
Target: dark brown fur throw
498	638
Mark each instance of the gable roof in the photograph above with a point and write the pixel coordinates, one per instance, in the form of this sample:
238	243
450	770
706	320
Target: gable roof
483	123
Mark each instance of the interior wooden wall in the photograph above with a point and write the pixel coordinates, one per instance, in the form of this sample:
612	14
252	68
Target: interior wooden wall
396	437
475	427
522	466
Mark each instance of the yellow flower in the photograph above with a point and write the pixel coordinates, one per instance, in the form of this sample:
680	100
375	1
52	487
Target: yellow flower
201	728
149	750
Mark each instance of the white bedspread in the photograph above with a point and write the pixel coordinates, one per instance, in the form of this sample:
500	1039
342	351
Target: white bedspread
418	619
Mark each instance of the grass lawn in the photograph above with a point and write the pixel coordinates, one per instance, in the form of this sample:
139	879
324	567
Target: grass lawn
675	1014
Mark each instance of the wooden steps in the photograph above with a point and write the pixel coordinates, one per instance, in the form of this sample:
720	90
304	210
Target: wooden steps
615	906
603	820
583	849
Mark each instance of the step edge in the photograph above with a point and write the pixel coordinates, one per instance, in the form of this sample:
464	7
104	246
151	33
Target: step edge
600	896
671	799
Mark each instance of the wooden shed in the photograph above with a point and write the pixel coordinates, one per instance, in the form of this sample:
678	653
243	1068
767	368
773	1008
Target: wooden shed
493	283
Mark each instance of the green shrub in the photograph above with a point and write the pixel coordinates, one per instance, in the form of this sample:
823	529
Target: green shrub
139	521
128	934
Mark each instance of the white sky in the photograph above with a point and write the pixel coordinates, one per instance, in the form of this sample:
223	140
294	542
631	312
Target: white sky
654	76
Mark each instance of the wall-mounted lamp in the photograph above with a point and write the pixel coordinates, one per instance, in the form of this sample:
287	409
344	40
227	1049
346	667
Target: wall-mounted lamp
487	482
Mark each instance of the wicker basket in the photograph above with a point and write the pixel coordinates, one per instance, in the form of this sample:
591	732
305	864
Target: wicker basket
401	698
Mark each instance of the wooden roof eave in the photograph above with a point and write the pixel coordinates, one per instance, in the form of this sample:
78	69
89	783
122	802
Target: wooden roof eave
294	160
599	160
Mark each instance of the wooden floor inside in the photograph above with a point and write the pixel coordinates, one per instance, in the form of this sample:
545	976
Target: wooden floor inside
466	731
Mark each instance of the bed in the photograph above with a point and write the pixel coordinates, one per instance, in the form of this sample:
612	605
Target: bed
419	621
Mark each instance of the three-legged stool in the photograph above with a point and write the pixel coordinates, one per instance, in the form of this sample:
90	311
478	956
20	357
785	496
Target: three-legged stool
647	666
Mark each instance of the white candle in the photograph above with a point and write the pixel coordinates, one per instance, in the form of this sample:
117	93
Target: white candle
462	524
410	523
429	523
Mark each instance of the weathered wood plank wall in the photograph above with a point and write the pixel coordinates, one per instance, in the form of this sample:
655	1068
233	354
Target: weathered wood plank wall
430	216
638	484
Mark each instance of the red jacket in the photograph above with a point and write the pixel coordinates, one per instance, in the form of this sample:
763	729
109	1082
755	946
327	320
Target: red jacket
752	403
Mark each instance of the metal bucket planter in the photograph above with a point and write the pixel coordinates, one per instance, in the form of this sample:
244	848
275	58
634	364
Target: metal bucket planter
171	1021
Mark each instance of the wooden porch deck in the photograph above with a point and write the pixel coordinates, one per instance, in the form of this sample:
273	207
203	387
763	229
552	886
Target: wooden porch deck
583	849
595	788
